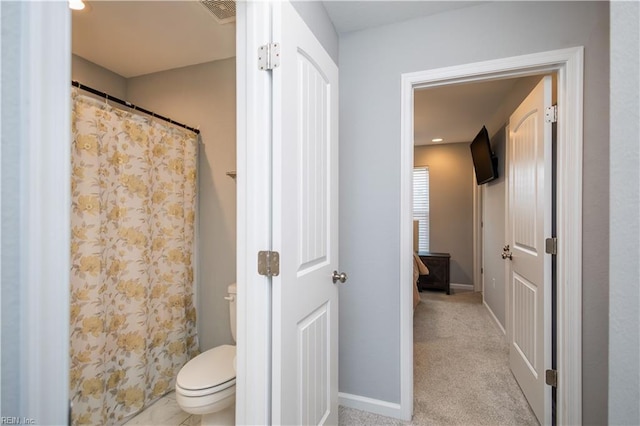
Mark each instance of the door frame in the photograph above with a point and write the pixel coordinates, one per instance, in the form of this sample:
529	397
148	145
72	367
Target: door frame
253	182
44	37
40	39
569	66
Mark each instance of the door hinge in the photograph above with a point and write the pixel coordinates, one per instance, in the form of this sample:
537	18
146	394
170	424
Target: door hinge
269	263
269	56
551	114
551	245
551	378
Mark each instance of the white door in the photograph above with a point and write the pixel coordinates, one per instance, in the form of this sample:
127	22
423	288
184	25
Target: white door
529	218
305	226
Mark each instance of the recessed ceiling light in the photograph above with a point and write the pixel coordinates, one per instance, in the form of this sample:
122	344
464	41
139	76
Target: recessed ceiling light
437	140
76	4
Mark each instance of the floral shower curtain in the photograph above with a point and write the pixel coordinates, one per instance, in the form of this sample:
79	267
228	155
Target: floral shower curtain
132	220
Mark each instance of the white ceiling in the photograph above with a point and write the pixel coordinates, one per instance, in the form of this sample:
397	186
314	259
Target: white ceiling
133	38
357	15
457	113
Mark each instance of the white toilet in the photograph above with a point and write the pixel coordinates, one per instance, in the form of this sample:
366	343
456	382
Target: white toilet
206	385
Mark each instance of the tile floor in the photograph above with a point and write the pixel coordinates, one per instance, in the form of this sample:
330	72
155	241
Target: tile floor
165	412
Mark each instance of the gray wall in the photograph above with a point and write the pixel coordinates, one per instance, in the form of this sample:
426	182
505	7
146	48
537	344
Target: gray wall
99	78
315	16
369	183
450	204
493	237
204	96
624	323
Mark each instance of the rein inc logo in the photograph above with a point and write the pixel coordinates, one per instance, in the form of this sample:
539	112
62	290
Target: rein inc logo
17	421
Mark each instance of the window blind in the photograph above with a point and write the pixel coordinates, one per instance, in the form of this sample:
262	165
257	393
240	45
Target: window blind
421	205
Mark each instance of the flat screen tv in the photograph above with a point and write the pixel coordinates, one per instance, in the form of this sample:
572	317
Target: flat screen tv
485	162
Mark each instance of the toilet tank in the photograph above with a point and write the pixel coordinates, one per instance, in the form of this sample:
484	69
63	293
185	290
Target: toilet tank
232	289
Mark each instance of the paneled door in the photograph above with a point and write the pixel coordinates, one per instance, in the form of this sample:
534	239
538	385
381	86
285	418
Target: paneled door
529	215
305	226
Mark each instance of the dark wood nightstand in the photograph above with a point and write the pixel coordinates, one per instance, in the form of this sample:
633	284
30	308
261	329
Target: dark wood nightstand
438	278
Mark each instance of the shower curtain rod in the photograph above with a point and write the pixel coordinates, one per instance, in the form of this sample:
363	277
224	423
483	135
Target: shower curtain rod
130	105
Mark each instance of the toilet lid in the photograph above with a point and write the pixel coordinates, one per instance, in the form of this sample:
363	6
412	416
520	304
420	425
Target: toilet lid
209	369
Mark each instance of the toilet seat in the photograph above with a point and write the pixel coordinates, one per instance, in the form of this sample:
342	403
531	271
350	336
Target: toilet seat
206	391
210	372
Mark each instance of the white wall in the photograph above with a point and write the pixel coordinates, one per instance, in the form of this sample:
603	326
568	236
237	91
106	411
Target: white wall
371	63
204	96
624	256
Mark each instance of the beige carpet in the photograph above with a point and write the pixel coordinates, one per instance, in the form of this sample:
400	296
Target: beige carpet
461	373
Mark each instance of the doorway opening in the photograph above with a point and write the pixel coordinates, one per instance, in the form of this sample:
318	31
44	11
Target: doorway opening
180	64
470	233
568	64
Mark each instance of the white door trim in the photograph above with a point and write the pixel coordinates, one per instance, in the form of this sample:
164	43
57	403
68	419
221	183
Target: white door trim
44	114
569	64
253	94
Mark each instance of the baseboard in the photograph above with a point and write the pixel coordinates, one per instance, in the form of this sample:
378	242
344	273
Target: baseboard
495	319
468	287
376	406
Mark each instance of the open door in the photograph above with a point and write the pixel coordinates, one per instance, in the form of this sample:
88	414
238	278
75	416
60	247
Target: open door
305	226
529	215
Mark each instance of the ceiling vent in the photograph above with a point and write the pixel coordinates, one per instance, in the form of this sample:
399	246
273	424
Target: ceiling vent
224	11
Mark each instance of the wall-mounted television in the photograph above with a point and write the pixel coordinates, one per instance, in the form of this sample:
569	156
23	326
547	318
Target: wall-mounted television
485	162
